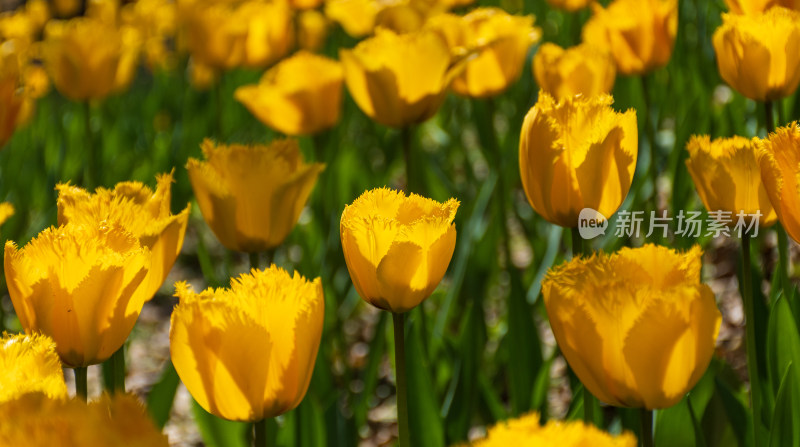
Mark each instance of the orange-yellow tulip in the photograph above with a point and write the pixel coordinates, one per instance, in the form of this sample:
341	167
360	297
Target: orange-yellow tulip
637	326
397	247
247	353
78	285
527	431
140	211
757	55
755	7
399	80
779	158
570	5
639	34
251	196
727	175
29	364
577	153
301	95
581	70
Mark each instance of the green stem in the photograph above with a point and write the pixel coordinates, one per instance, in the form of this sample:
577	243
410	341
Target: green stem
646	436
117	365
254	259
769	121
80	382
400	374
260	430
91	181
752	357
406	135
783	260
218	100
649	130
577	242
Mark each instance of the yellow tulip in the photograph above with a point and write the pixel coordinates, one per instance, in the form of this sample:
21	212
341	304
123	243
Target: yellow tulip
247	353
251	196
357	17
637	326
399	80
577	153
12	98
301	95
29	364
570	5
6	211
78	285
639	34
397	248
580	70
225	35
142	212
755	7
156	22
305	4
35	421
201	76
66	8
526	431
756	55
312	29
779	158
400	18
89	59
501	42
727	175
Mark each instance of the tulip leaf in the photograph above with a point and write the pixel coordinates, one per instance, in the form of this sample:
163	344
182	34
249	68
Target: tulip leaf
162	395
785	431
675	426
736	412
783	347
425	422
524	347
370	374
218	432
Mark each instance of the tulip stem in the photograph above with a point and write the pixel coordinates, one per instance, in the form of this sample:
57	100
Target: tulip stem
577	242
750	332
783	260
646	436
769	121
254	260
406	134
649	131
91	181
80	382
116	372
400	375
260	429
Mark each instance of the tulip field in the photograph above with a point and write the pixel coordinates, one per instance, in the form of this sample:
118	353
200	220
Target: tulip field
420	223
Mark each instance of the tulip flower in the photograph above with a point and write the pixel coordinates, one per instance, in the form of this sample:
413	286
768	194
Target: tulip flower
312	29
36	420
727	175
526	431
142	212
357	17
89	59
755	54
501	42
577	153
779	158
581	70
399	80
78	285
637	326
570	5
397	247
6	211
157	23
639	34
11	97
247	353
251	196
301	95
305	4
29	364
756	7
225	35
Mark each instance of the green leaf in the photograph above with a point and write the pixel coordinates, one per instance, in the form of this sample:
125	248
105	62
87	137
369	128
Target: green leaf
424	420
218	432
785	431
737	413
675	426
783	344
159	401
524	347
